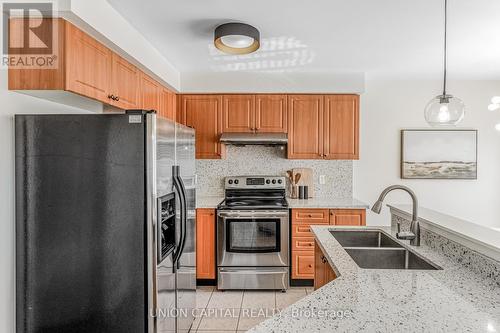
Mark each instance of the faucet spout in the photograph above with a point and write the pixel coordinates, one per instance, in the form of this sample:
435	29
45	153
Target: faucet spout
414	234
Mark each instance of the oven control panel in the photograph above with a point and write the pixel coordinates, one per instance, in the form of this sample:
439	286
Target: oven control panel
255	182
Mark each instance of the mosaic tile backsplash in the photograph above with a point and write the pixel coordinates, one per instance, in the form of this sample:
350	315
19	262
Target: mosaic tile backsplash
262	160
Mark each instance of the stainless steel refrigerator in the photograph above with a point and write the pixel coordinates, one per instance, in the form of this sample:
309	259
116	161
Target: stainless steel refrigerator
105	223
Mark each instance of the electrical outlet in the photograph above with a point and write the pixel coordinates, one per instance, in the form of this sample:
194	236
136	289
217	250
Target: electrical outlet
322	179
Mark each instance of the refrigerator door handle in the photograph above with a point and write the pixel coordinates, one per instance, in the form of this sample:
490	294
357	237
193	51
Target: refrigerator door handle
179	187
183	217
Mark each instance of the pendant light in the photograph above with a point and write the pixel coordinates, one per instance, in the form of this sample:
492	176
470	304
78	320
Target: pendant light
445	109
236	38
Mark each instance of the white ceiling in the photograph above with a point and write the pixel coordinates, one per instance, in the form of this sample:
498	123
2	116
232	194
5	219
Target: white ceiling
386	38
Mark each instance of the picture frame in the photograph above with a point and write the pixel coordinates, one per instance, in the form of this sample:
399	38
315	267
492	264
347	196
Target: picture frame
439	154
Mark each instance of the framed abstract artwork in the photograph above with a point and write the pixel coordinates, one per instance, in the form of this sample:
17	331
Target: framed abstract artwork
438	154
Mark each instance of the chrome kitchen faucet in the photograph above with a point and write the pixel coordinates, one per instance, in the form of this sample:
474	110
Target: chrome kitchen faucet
414	234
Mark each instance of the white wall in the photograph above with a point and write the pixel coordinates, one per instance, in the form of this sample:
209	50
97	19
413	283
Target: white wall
272	82
389	106
13	103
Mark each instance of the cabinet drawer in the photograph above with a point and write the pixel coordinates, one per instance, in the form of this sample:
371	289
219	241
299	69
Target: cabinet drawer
303	229
313	216
302	243
303	265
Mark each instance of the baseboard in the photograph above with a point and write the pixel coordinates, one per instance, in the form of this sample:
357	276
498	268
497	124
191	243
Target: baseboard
302	283
206	282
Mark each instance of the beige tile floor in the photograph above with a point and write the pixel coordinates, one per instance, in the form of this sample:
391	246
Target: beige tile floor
238	311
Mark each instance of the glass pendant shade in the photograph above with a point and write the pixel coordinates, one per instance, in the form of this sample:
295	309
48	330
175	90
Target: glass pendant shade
444	110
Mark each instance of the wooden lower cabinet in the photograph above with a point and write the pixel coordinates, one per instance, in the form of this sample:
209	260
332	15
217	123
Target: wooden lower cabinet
303	240
205	243
354	217
303	244
302	264
323	272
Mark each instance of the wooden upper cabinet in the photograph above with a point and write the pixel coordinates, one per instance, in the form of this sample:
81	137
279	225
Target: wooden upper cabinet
305	126
238	113
205	243
341	127
354	217
168	102
125	83
88	65
37	78
271	113
85	67
204	114
150	93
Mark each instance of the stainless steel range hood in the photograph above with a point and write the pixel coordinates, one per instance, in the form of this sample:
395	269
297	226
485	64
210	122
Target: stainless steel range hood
266	139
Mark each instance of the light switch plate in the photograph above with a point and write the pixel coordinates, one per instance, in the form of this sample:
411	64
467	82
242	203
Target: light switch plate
322	179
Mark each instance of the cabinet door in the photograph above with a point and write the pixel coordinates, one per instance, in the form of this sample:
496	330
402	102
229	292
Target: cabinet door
204	114
355	217
305	126
205	244
341	126
150	93
323	272
303	265
168	103
125	83
271	114
88	64
238	113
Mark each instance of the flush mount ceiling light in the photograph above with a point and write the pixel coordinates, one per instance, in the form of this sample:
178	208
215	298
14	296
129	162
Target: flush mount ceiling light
237	38
445	109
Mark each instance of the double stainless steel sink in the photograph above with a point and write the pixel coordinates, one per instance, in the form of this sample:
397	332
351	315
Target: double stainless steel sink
376	249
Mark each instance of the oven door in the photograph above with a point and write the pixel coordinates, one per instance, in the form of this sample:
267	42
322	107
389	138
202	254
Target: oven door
252	238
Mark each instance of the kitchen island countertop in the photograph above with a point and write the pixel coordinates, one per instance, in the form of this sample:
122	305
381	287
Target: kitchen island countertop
454	299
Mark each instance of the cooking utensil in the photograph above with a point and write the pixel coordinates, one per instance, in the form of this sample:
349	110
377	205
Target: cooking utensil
297	178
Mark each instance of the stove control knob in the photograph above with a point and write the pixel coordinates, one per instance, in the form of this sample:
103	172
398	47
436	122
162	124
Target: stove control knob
268	181
236	181
280	181
274	181
230	181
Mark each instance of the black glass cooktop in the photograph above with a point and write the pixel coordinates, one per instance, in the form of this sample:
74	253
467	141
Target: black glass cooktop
253	203
253	199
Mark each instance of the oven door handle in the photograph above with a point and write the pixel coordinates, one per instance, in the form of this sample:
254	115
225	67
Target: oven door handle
256	214
255	272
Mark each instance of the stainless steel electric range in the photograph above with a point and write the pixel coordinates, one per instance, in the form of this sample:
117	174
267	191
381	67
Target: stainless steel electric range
252	234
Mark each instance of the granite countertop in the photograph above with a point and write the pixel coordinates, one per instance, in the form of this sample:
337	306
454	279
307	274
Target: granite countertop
325	202
208	201
454	299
